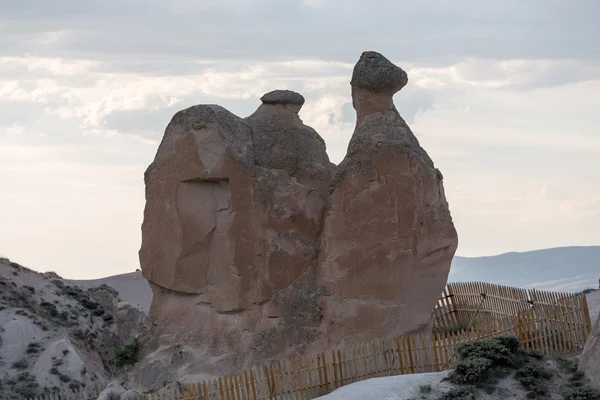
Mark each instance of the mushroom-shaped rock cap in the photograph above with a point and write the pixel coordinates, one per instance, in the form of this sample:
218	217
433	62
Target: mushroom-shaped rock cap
376	73
283	97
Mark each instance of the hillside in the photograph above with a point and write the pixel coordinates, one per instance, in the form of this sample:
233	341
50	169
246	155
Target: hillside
132	287
566	269
56	334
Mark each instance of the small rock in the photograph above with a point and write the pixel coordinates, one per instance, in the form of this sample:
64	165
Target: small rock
375	72
283	97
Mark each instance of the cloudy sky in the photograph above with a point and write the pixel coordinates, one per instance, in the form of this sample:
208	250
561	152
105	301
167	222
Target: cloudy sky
504	96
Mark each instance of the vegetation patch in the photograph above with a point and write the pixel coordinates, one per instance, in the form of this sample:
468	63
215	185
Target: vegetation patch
582	393
483	363
460	393
21	364
33	348
127	355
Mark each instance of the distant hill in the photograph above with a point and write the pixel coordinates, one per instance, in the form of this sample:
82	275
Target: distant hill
568	269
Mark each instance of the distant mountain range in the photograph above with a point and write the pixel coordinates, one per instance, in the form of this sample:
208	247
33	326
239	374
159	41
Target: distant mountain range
566	269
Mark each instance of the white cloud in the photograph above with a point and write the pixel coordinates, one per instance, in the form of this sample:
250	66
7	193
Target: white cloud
508	113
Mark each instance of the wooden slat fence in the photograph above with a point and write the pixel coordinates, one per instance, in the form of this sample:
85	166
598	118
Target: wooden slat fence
558	323
552	323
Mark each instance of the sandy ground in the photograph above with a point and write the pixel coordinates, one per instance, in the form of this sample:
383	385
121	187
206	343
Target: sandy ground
400	387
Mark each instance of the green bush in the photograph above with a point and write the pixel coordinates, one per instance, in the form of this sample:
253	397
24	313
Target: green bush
483	363
478	359
493	350
534	354
470	371
127	355
533	377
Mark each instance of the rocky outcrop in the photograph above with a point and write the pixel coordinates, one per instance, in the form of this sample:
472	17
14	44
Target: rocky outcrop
589	361
388	237
257	247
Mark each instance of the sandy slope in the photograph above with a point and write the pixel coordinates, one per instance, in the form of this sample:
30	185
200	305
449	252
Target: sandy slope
132	287
57	334
38	347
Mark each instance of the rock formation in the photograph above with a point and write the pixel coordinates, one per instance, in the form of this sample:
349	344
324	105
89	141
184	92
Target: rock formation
388	237
257	247
589	361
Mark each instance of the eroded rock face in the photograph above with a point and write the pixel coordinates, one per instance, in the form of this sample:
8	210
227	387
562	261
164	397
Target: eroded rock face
257	247
589	361
388	238
226	222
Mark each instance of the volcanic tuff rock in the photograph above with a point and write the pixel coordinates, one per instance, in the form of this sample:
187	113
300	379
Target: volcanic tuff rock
589	361
388	237
257	247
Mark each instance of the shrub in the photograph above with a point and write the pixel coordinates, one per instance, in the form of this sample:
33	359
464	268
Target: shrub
49	309
493	350
113	396
33	348
479	358
533	377
31	289
28	389
483	362
127	355
583	393
470	371
21	364
88	303
58	283
460	393
86	336
512	343
534	354
424	389
98	312
52	275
